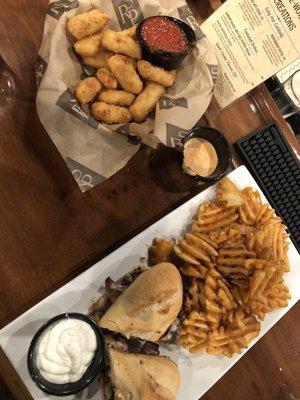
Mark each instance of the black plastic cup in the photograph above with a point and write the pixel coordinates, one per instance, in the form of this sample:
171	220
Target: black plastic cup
221	146
165	59
90	374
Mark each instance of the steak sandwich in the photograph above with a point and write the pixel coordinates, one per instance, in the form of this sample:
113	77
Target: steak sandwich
132	376
149	306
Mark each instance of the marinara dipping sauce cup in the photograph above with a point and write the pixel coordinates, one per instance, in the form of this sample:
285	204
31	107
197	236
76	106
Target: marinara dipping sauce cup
165	40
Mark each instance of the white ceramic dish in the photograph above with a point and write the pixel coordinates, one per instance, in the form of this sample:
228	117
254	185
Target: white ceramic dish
199	372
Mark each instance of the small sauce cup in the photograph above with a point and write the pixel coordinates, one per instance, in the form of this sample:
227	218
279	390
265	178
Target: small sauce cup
91	372
221	146
165	59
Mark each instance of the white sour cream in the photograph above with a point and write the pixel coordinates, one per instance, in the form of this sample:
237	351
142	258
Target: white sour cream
65	350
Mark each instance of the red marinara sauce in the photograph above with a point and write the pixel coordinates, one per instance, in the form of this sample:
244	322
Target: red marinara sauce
162	34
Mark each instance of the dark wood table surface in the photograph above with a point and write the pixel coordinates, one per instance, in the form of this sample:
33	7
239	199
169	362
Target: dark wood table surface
51	232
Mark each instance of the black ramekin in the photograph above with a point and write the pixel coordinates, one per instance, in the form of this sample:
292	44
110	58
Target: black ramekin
221	146
90	374
165	59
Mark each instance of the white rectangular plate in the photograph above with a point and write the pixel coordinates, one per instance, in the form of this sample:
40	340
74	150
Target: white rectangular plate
199	372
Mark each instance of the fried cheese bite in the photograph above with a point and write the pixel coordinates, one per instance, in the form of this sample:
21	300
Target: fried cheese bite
89	45
117	97
119	42
146	101
99	60
110	113
130	32
87	23
123	69
87	89
107	78
155	74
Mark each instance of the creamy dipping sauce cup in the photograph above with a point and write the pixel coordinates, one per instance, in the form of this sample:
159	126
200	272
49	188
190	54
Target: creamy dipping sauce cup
91	367
220	145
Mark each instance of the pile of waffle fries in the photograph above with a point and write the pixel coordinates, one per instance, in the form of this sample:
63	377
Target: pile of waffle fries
233	264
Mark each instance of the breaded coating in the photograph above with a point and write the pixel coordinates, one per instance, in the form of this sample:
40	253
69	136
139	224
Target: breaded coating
161	250
120	43
89	45
124	71
109	113
86	24
155	74
107	78
228	194
117	97
99	60
86	90
146	101
130	32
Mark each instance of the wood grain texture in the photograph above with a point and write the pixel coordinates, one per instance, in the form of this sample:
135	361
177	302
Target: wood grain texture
50	231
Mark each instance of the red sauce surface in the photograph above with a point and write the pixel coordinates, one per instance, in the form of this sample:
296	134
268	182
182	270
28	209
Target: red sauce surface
163	34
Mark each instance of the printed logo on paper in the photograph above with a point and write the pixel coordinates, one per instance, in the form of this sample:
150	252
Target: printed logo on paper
67	102
213	70
84	176
187	16
128	12
57	8
166	103
174	134
40	69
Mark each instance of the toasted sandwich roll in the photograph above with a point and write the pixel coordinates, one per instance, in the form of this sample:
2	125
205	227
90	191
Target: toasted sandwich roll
117	97
149	306
142	377
87	23
146	101
155	74
123	69
110	113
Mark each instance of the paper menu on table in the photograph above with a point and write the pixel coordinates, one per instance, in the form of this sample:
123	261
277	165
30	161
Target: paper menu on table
253	40
288	71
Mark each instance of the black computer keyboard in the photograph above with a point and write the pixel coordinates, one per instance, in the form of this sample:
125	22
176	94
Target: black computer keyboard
276	169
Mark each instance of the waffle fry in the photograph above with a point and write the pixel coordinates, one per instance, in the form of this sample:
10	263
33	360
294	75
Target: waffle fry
235	261
278	297
195	249
195	299
265	215
231	263
194	271
211	217
194	332
218	298
269	242
251	209
196	336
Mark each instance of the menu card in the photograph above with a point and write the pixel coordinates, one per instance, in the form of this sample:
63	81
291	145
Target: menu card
253	40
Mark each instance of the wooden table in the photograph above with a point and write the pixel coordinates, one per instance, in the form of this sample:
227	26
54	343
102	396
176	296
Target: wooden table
50	231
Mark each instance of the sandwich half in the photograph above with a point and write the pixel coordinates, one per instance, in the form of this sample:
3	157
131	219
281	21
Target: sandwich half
148	307
134	376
